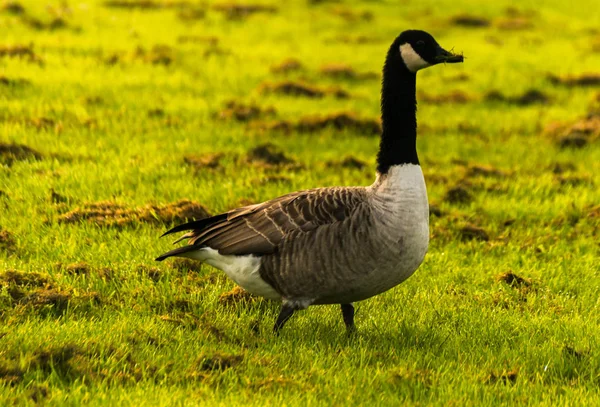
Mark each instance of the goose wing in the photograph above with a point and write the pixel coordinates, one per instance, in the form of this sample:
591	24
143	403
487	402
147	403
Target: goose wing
259	229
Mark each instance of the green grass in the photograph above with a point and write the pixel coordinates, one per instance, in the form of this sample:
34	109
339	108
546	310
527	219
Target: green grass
102	324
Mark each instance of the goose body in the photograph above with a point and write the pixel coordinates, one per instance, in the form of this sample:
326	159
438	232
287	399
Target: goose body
335	245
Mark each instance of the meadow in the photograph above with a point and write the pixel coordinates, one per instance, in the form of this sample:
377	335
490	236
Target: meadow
121	118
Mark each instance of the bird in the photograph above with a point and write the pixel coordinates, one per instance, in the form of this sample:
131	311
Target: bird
335	245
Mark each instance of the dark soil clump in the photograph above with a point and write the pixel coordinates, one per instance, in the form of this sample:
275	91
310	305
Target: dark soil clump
235	296
287	65
111	214
300	89
513	280
7	242
458	195
146	4
13	83
204	162
454	97
472	232
343	71
270	155
244	113
217	361
506	378
9	153
80	268
530	97
484	171
18	51
350	162
470	21
235	11
584	80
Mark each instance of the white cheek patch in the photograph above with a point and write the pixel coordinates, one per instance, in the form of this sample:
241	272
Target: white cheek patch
412	60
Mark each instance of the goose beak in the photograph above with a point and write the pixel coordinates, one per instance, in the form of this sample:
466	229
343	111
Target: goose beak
443	56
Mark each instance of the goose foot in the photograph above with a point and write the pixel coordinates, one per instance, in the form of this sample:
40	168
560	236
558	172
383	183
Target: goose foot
348	315
286	313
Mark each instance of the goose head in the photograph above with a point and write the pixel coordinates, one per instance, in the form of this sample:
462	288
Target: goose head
418	49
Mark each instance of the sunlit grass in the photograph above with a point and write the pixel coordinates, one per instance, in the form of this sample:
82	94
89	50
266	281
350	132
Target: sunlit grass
508	319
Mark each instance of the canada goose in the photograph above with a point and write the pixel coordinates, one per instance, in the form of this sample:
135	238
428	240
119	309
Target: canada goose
335	245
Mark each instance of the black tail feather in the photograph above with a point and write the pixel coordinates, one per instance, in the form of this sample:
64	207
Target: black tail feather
178	251
197	224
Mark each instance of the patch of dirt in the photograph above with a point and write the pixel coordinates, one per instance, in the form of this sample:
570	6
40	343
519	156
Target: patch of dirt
159	54
577	134
20	279
344	71
470	21
9	153
38	393
243	112
191	14
348	162
459	194
13	7
198	39
56	23
513	280
530	97
354	39
235	11
217	361
58	299
111	214
350	15
485	171
290	88
572	352
153	273
514	24
561	168
79	269
435	210
506	377
342	121
11	375
57	198
573	141
272	179
583	80
105	273
454	97
7	242
200	163
18	51
235	296
146	4
13	83
461	77
472	232
574	181
287	65
270	155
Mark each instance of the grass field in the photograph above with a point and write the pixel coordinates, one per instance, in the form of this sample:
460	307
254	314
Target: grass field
120	118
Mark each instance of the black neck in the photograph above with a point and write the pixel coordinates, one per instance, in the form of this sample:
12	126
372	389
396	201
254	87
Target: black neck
398	114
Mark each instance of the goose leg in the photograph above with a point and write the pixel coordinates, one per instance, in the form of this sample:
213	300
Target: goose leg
348	315
286	312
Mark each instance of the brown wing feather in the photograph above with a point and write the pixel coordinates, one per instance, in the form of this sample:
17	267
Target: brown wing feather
259	229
